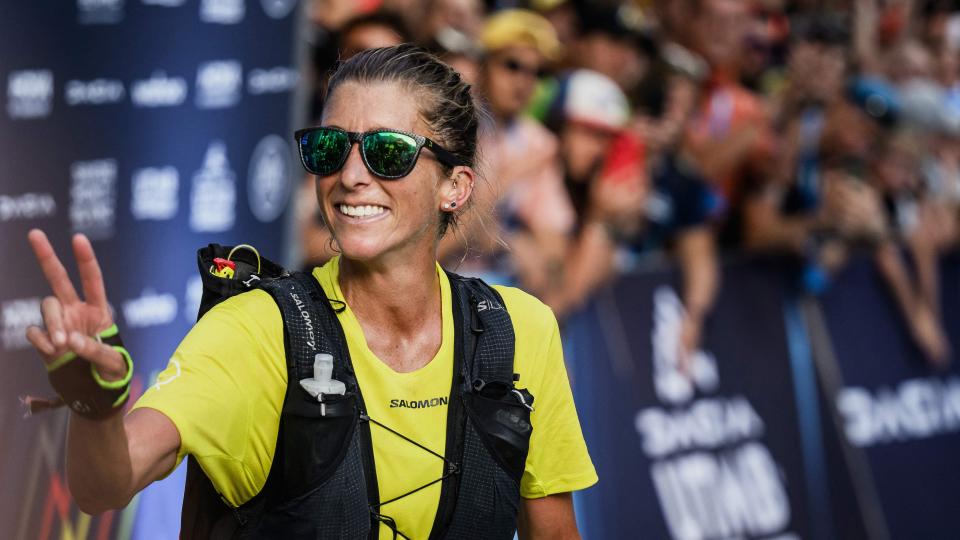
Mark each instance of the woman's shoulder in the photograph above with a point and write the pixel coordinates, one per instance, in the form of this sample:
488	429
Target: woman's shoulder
251	302
252	311
526	311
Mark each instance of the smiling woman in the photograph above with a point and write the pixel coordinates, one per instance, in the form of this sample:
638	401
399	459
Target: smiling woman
435	434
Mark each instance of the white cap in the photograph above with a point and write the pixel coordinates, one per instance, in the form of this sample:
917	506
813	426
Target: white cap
594	99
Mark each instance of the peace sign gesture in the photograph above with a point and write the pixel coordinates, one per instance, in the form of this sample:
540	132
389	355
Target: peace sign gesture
69	320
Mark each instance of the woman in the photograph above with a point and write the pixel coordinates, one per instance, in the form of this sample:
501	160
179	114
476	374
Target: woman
222	398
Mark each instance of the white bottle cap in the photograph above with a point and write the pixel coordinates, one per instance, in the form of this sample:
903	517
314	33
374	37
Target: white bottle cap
321	383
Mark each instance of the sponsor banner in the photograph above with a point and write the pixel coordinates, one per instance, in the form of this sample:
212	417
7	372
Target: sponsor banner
222	11
900	415
213	196
155	127
93	197
270	178
272	80
18	315
711	453
25	206
158	90
30	93
94	92
155	193
278	9
99	11
219	84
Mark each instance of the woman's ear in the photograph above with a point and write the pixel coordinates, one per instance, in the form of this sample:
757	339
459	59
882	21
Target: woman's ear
457	188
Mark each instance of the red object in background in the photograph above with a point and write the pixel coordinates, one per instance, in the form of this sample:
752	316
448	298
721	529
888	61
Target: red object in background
625	160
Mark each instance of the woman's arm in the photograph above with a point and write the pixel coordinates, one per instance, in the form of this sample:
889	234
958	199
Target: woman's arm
550	517
108	460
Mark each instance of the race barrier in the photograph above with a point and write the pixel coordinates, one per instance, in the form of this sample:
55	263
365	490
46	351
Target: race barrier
800	418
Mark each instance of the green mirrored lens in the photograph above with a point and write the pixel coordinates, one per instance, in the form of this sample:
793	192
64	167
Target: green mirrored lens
389	153
323	150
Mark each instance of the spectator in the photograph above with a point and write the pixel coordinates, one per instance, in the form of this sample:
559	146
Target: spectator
630	194
525	184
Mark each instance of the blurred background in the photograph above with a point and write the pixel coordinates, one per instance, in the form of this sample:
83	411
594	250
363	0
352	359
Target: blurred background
743	212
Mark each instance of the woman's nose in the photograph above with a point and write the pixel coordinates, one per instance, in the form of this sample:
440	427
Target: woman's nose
354	173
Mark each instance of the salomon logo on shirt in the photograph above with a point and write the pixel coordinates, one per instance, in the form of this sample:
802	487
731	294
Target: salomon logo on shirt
418	403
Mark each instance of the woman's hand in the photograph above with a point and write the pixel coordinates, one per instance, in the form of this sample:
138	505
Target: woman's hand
109	460
71	322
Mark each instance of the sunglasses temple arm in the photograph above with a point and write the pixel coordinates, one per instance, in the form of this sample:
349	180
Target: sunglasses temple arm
446	157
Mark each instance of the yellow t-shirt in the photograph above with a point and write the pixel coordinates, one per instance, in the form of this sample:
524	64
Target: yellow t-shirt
225	384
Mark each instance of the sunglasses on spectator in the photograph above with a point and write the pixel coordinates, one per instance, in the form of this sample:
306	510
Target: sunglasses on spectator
387	153
515	66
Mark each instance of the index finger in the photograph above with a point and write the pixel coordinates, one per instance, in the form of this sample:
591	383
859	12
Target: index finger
52	268
91	278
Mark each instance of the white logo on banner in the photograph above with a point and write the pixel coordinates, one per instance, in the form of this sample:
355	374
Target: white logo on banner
99	11
159	91
29	93
915	409
214	193
221	11
95	92
155	193
278	9
18	315
268	187
271	81
218	84
27	206
713	478
150	309
93	197
165	3
192	297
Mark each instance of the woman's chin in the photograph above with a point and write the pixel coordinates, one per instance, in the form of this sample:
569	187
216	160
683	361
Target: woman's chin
357	249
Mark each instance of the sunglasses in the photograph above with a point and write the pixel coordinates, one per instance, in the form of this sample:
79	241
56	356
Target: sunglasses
515	66
387	153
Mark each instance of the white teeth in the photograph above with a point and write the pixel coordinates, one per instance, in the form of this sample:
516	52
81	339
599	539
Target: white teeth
361	211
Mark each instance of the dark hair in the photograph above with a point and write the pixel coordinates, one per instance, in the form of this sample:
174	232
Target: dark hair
446	102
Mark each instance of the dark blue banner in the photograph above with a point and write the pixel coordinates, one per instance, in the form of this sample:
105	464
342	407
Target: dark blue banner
155	127
714	455
899	416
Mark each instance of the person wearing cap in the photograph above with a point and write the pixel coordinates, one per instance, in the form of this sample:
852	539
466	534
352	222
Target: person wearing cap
588	113
525	184
628	197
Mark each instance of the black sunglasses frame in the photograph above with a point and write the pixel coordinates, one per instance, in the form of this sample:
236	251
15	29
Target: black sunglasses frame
443	155
515	66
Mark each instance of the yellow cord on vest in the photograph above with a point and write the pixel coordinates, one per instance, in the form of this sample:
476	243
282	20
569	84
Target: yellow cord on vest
247	246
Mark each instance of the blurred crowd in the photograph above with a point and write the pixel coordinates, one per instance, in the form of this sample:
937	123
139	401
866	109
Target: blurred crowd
618	131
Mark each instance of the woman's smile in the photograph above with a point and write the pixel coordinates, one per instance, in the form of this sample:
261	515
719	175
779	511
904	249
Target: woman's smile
361	212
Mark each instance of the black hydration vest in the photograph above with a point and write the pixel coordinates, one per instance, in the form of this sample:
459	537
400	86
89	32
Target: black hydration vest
322	483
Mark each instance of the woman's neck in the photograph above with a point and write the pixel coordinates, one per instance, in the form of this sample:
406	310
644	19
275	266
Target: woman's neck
403	297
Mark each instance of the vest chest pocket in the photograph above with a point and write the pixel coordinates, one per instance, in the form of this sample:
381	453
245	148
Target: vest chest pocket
501	414
315	437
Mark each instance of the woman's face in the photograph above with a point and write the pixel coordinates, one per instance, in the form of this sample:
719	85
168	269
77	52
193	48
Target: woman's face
404	214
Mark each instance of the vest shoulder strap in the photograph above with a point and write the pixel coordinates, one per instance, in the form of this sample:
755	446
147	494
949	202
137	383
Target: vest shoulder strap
310	325
489	338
